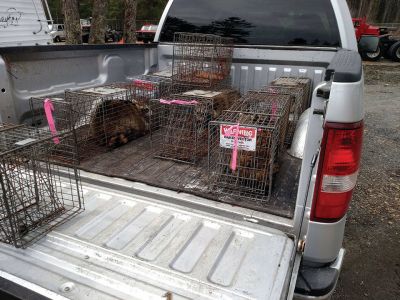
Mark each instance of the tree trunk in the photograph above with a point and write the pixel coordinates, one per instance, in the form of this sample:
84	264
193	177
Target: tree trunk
130	21
377	11
72	22
99	22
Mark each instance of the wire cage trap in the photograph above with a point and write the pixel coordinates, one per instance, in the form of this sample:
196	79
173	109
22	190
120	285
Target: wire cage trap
300	88
100	118
300	85
36	194
106	117
179	127
221	99
245	143
146	87
201	60
53	114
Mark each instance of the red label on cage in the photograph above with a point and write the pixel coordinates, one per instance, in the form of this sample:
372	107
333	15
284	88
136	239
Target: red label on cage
247	137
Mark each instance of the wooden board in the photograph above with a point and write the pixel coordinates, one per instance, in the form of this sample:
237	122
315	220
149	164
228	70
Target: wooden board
136	162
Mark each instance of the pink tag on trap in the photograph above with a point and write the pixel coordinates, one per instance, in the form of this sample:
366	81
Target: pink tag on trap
179	102
235	148
48	109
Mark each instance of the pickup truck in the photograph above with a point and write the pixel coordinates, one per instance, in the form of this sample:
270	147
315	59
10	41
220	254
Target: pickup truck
144	239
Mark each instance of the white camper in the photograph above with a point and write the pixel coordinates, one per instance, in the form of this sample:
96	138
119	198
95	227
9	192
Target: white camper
23	23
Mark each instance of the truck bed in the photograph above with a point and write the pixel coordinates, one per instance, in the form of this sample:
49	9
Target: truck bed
131	245
136	162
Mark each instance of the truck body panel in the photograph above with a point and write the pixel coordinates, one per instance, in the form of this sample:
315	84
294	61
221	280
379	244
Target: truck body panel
127	245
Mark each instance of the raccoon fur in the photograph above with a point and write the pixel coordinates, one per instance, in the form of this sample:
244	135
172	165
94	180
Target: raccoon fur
116	122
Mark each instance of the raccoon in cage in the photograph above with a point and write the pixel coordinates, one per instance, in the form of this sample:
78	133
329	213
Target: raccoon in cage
116	122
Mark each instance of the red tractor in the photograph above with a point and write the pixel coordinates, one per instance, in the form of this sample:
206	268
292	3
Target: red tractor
375	42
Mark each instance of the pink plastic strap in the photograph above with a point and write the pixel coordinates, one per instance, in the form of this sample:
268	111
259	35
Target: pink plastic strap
179	102
235	148
49	108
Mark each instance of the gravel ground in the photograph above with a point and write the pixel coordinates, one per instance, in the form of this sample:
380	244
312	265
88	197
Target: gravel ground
372	263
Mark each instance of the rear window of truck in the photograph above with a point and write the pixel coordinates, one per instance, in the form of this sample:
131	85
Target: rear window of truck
256	22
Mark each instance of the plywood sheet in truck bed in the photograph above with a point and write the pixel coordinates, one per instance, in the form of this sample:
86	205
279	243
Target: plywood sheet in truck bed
135	161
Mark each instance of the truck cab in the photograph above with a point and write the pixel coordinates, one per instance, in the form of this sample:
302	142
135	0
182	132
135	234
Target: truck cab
151	232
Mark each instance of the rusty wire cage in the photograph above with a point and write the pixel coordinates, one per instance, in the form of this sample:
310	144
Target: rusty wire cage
202	60
146	87
100	118
179	127
261	119
221	100
299	86
36	193
300	89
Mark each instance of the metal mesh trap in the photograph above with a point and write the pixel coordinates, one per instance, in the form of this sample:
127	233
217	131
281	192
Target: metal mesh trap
201	60
146	87
300	89
299	83
100	118
66	151
36	194
221	99
179	127
244	145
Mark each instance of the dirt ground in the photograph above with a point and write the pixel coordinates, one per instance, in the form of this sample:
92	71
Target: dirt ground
372	263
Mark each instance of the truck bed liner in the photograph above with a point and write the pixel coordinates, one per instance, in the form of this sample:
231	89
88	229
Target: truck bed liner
135	161
129	246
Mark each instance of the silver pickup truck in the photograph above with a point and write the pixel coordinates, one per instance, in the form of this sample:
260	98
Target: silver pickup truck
142	239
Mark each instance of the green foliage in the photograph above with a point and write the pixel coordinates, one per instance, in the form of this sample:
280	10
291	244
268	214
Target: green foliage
85	8
150	9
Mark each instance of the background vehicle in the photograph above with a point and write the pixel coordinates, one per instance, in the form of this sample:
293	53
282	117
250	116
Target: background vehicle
388	46
57	32
147	33
109	36
147	241
85	33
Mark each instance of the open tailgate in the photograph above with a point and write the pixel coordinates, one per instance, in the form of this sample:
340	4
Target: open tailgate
132	246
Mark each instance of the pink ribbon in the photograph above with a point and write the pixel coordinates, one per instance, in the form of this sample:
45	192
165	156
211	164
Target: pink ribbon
49	108
235	148
179	102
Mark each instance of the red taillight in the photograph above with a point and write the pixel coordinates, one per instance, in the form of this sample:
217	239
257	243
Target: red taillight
337	171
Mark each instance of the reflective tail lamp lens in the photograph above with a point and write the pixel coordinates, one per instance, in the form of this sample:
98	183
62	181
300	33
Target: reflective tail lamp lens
337	171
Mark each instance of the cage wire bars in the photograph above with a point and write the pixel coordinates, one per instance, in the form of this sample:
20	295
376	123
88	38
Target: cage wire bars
201	60
245	143
36	193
